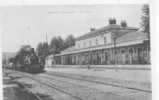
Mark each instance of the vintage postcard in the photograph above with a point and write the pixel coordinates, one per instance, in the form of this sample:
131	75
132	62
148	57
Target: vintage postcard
76	52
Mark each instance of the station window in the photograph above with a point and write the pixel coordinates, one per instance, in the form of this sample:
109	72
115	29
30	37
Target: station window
96	41
105	39
90	43
122	51
131	50
79	45
84	44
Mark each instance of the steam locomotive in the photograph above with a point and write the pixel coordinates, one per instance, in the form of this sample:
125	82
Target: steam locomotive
26	60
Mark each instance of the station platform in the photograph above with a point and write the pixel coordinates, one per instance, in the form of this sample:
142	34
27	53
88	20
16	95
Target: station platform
136	74
135	78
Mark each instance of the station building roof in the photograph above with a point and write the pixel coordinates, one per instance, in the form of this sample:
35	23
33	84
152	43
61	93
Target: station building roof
109	28
126	39
125	36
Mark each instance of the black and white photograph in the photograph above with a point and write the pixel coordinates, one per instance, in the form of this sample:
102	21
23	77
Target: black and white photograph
76	52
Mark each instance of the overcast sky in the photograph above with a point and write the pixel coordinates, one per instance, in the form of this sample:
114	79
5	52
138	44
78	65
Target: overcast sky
28	24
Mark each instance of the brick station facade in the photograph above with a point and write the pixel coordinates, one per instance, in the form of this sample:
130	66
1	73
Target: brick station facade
112	44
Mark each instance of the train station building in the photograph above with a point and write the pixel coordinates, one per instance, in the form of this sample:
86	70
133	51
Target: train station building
111	44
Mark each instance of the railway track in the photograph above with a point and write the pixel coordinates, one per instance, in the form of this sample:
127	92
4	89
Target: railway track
51	82
48	84
75	94
54	78
24	87
98	82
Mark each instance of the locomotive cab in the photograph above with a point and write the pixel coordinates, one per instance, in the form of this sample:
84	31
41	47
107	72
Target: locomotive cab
28	61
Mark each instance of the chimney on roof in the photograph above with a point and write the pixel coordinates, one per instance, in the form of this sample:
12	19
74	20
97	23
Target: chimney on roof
112	21
92	29
123	23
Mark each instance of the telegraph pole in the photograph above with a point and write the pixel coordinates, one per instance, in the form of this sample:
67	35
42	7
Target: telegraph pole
46	38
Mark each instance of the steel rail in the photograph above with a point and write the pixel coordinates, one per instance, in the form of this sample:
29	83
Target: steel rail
51	85
99	82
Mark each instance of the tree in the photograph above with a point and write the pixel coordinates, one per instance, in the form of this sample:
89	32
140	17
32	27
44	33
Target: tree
39	49
45	49
42	50
145	24
60	43
70	41
56	45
